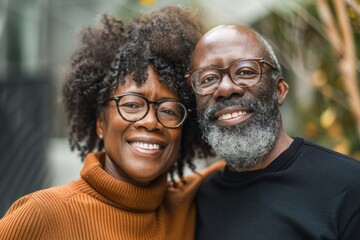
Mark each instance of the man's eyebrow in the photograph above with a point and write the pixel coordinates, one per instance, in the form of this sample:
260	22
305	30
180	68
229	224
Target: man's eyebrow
210	66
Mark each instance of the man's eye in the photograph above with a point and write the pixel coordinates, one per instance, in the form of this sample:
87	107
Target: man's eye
209	79
246	73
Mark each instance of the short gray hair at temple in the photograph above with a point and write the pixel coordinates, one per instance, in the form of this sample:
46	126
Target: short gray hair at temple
270	52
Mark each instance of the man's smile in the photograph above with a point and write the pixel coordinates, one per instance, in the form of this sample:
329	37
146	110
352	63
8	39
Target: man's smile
232	115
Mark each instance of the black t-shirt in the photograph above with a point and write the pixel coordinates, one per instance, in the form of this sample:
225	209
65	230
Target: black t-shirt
308	192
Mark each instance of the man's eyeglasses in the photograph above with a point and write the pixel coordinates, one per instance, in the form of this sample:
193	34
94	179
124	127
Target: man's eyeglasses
244	73
133	107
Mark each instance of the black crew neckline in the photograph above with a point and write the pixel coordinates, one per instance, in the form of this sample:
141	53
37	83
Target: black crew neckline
282	162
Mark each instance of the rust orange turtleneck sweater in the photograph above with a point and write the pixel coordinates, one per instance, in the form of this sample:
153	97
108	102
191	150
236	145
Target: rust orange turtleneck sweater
98	206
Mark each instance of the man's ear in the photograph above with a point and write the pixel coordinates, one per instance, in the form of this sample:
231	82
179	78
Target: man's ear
282	90
100	126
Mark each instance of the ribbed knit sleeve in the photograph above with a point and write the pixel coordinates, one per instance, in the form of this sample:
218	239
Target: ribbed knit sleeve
23	220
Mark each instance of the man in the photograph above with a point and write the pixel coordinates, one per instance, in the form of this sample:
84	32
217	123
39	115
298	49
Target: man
273	186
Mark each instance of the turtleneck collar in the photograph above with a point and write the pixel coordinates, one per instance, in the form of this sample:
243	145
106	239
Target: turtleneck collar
119	193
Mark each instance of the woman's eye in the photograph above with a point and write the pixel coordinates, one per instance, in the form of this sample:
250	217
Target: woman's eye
131	105
168	112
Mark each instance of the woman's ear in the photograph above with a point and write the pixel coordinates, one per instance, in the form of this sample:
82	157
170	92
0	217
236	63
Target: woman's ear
100	126
282	90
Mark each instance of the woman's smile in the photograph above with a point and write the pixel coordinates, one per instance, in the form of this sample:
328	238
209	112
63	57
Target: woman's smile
147	145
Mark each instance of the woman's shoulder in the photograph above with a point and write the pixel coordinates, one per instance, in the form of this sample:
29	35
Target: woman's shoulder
24	218
32	214
38	200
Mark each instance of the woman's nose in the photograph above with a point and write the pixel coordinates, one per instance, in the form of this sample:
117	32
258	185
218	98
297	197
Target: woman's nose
150	121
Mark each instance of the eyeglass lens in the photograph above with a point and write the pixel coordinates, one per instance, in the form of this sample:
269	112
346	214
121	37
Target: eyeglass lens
134	108
245	73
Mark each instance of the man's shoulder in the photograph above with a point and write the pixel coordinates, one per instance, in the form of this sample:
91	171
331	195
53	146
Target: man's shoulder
326	163
320	151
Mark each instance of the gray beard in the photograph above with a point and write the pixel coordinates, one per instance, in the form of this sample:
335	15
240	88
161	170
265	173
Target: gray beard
247	144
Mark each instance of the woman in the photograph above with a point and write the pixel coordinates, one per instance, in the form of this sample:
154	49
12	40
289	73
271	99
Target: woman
126	98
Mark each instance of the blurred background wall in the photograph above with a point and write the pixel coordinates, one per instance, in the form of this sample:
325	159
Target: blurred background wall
317	42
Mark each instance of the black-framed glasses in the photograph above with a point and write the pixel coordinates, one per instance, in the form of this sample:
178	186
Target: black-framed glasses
133	107
244	73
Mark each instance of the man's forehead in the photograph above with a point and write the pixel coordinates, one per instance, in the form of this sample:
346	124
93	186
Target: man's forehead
226	44
228	33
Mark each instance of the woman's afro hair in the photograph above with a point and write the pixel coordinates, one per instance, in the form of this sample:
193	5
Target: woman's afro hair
112	49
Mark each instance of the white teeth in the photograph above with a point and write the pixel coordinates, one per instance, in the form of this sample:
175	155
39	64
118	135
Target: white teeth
147	146
231	115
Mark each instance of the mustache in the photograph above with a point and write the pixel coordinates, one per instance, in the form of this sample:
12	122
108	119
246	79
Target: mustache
209	113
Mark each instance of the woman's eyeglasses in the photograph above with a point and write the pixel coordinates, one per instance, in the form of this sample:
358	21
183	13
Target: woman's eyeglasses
133	107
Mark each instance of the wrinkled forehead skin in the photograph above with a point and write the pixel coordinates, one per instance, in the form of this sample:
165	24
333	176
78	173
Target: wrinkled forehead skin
225	44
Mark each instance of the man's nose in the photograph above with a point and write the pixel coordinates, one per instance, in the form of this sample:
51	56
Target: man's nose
227	89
